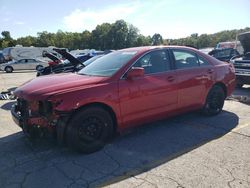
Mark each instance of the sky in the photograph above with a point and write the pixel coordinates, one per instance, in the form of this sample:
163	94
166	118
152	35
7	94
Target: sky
171	18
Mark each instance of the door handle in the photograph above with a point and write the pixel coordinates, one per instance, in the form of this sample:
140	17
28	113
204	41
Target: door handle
170	78
210	71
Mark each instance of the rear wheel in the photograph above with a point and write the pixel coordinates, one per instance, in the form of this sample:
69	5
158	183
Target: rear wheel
89	130
214	102
8	69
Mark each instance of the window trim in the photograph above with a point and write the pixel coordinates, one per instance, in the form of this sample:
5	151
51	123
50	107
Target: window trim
153	50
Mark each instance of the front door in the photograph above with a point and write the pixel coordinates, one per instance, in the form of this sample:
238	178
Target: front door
154	94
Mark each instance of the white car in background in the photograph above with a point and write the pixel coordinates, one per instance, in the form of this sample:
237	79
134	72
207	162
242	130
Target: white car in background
23	64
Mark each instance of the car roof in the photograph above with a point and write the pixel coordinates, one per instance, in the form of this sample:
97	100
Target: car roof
148	48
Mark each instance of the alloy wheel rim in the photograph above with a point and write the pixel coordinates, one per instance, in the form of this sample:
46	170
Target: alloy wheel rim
90	129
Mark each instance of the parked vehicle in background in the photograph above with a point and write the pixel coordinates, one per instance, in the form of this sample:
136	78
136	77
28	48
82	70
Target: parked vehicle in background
242	62
224	54
71	64
122	89
91	52
234	44
2	60
221	45
53	59
23	64
20	52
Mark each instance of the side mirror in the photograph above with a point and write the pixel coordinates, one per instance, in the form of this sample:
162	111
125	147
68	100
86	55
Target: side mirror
135	72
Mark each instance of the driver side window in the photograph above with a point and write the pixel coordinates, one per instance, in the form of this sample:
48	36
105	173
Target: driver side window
154	62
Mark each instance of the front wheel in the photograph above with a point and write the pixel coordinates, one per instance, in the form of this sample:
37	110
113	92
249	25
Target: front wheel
8	69
89	130
214	101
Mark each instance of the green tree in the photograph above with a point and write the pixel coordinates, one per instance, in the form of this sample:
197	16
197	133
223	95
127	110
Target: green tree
100	37
46	39
6	40
118	34
204	41
132	36
27	41
157	39
143	41
85	42
115	36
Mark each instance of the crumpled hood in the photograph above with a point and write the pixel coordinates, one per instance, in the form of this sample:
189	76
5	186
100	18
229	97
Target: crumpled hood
244	39
42	87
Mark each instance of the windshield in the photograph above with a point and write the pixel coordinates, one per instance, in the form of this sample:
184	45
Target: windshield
108	64
92	59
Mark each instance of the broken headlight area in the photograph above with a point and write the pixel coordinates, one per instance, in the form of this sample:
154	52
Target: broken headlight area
45	108
36	113
35	108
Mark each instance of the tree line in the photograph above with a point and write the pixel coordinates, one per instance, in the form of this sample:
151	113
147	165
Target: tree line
117	35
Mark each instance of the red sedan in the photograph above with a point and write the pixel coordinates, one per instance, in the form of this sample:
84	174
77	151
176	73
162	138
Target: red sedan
122	89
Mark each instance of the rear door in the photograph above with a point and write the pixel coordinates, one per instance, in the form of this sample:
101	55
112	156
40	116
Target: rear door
31	64
155	93
194	75
20	64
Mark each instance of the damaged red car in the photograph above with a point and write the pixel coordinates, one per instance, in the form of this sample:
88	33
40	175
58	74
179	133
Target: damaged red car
122	89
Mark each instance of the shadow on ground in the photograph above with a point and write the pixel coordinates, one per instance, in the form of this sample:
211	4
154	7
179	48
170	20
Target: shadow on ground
44	164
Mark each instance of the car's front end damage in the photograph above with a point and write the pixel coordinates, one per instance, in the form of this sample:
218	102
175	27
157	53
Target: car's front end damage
45	104
36	118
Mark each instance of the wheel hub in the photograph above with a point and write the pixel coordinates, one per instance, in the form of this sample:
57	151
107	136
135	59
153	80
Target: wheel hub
90	129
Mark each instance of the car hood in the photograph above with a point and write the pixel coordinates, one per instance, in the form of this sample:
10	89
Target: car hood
244	39
8	63
41	88
51	56
68	56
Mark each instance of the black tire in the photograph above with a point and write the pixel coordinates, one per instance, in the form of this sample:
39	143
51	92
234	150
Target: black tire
214	101
239	85
89	130
8	69
38	67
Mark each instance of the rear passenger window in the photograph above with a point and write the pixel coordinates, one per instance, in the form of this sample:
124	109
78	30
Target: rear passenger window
185	59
